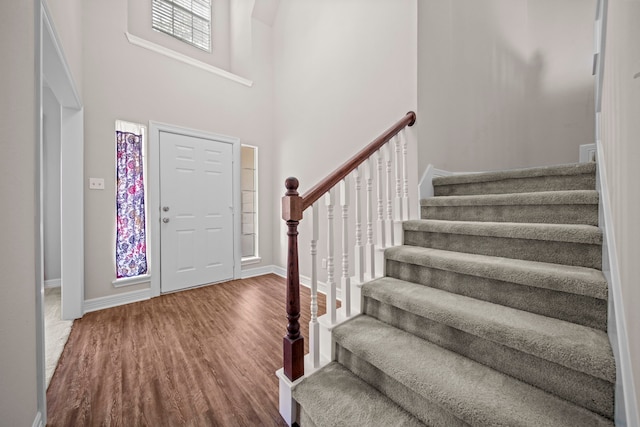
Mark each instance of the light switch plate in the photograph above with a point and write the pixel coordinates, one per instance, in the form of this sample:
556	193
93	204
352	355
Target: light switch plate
96	183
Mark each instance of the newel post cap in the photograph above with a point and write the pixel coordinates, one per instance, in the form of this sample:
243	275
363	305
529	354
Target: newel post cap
291	202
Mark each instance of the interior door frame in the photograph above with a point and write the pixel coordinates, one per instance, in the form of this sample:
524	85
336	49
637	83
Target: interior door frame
153	210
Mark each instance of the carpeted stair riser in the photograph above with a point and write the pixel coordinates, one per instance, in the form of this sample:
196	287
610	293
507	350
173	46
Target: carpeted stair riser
467	390
427	411
549	214
327	399
521	185
568	253
580	309
555	178
550	207
582	389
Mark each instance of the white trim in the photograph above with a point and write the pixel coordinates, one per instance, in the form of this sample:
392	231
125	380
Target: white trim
40	14
425	186
587	153
154	196
52	283
626	404
288	406
72	212
110	301
130	281
258	271
251	260
137	41
38	422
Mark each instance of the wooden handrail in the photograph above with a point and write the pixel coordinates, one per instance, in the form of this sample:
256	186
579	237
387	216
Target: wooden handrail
311	196
293	205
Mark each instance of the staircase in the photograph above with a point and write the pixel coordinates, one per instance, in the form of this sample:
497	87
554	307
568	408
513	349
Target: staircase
493	312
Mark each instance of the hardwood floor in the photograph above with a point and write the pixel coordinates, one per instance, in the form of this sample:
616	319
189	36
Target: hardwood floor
202	357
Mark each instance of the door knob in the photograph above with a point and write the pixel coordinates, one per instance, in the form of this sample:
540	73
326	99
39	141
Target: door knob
165	220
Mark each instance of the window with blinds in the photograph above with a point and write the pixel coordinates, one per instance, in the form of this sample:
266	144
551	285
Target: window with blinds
186	20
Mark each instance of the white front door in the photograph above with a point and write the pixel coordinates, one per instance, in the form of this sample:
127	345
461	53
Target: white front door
196	211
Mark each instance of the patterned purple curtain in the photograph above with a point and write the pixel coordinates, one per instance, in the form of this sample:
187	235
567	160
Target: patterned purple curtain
131	243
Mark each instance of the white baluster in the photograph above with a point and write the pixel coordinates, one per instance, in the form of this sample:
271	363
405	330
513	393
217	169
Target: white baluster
314	326
389	221
346	280
381	228
358	256
405	177
331	284
398	197
370	247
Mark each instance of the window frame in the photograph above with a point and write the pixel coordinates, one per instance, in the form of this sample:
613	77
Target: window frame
255	257
176	5
124	126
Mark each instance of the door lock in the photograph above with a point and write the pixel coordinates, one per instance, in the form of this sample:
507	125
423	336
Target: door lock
165	208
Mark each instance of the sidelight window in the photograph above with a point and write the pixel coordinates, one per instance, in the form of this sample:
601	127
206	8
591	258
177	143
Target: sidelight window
249	162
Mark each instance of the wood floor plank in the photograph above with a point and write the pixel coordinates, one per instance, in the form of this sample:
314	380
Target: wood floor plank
201	357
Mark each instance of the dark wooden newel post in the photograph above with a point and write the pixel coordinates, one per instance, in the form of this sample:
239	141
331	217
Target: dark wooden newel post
293	342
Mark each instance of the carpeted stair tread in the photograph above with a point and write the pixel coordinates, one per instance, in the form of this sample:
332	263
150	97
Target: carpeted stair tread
567	344
352	402
578	197
574	233
571	279
473	392
556	170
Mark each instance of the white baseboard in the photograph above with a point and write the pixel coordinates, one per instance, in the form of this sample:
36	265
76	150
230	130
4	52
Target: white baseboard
626	404
52	283
110	301
588	153
101	303
38	421
258	271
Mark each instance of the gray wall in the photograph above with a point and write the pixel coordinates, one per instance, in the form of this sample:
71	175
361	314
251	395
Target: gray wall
18	396
504	83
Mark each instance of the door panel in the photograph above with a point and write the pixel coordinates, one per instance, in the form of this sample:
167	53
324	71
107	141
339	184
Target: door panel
196	193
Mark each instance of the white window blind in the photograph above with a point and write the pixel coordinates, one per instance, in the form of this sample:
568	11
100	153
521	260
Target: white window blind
186	20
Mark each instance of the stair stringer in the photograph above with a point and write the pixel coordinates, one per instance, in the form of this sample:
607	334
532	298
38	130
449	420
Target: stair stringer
626	403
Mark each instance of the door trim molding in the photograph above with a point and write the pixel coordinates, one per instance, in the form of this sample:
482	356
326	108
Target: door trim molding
154	195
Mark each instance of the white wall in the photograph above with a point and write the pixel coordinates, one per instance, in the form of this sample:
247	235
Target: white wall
123	81
51	185
621	145
504	83
18	395
345	70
